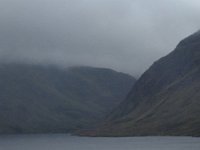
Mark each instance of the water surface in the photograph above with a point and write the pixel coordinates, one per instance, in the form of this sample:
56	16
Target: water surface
67	142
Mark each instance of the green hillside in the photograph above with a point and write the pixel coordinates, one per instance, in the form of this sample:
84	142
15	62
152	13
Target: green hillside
39	99
164	101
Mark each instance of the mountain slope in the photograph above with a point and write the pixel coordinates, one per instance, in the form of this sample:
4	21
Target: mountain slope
165	100
38	99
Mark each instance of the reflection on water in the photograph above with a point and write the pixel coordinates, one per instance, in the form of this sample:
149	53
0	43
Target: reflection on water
66	142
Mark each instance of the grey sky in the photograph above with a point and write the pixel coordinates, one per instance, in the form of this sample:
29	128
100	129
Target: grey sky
126	35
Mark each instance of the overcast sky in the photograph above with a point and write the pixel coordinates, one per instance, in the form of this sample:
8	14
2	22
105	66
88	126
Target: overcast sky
126	35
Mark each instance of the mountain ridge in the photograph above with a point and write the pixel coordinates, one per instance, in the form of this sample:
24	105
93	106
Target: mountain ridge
45	99
164	101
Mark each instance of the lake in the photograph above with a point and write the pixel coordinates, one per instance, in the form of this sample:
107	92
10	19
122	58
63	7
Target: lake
67	142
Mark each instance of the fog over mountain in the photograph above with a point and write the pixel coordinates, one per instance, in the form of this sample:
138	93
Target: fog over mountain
125	35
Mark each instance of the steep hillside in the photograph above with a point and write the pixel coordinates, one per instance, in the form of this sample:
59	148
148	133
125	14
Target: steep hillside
165	100
38	99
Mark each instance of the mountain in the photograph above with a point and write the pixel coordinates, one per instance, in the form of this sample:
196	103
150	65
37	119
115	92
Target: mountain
164	101
39	99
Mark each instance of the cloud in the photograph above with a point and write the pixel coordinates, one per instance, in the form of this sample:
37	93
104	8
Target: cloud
125	35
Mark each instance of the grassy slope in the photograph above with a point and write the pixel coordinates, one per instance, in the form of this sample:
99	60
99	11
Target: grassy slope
36	99
164	101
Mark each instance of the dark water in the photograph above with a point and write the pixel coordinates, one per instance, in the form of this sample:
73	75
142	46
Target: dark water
66	142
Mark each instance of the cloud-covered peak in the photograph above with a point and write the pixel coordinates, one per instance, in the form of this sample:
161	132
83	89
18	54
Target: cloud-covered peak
125	35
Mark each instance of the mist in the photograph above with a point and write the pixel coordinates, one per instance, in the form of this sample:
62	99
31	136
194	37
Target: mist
126	35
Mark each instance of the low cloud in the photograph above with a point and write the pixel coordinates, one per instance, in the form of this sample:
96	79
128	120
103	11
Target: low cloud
126	35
